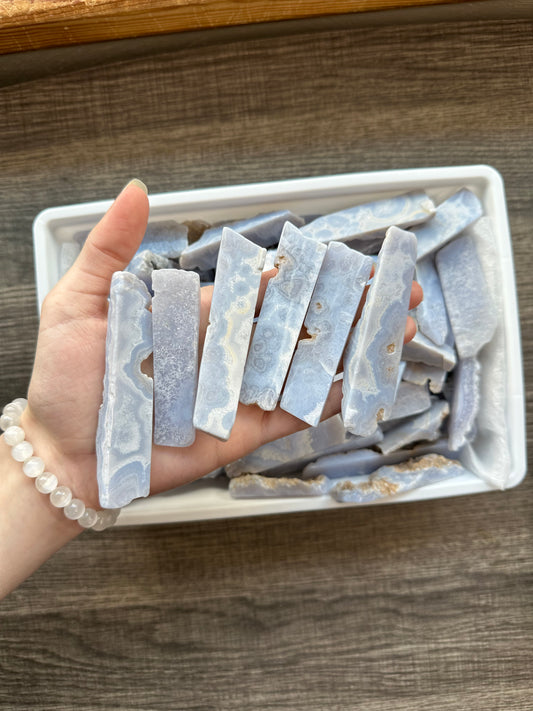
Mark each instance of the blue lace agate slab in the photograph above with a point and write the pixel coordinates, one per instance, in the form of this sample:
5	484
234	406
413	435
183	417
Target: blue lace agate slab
235	290
421	349
451	218
426	426
167	238
465	402
264	230
144	263
369	220
124	434
176	324
282	314
431	315
420	374
469	304
374	350
253	486
396	479
336	296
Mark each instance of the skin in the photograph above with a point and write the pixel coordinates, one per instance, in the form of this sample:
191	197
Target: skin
65	394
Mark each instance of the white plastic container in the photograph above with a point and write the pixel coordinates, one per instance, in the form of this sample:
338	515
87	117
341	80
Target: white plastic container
207	499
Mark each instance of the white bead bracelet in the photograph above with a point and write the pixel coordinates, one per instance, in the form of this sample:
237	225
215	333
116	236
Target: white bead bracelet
46	482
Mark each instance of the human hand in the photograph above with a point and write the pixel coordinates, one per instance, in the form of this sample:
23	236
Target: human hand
66	387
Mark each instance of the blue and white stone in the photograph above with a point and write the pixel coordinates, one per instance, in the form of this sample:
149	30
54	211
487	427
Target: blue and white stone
420	374
371	219
421	349
465	402
67	256
469	304
362	462
282	314
396	479
264	230
425	427
145	262
270	259
235	291
167	238
254	486
124	434
431	315
374	349
336	296
451	217
176	325
410	400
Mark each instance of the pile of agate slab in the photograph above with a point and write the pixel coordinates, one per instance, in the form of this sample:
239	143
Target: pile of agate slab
407	411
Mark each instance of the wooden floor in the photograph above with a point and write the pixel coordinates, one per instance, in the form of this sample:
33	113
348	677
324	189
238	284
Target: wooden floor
415	607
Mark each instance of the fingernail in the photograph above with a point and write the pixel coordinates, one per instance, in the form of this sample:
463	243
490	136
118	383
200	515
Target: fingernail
138	183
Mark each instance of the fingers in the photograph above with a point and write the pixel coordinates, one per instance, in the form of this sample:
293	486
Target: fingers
416	295
112	244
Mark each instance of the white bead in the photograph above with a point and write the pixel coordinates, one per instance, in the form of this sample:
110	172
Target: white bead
13	410
88	518
8	421
33	466
22	451
46	482
61	497
22	402
13	435
74	510
104	519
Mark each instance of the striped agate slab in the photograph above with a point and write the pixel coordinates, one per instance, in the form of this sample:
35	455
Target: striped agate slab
235	291
282	314
420	374
124	434
421	349
253	486
264	230
465	402
144	263
410	400
424	427
431	315
396	479
369	220
176	326
451	217
167	238
374	350
336	296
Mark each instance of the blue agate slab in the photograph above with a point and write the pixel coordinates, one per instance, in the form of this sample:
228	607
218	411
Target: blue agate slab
144	263
369	220
424	427
282	314
176	324
124	434
167	238
235	291
264	230
336	296
396	479
374	350
410	400
465	402
420	374
469	304
253	486
431	315
451	217
421	349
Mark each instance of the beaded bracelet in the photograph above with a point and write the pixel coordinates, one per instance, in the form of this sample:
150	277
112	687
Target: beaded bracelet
46	482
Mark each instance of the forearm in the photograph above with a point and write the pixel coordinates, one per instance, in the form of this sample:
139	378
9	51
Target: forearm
31	529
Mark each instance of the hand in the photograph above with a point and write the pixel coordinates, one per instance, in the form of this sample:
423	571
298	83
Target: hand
66	387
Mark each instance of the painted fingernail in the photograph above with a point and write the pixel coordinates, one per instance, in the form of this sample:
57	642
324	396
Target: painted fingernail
138	183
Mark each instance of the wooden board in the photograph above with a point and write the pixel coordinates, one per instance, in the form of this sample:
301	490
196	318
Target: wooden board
414	607
32	24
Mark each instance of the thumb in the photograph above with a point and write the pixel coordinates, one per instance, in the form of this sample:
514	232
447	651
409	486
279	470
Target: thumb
110	245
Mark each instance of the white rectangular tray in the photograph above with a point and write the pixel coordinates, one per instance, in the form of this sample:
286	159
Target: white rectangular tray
209	499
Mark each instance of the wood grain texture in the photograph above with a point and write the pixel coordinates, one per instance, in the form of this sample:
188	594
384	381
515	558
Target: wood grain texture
412	607
32	24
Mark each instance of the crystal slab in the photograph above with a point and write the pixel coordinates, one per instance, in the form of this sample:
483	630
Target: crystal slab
374	349
431	315
363	462
336	296
144	263
470	307
465	402
398	478
424	427
287	296
451	217
124	434
250	486
167	238
410	400
264	230
176	324
420	374
421	349
370	219
235	290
